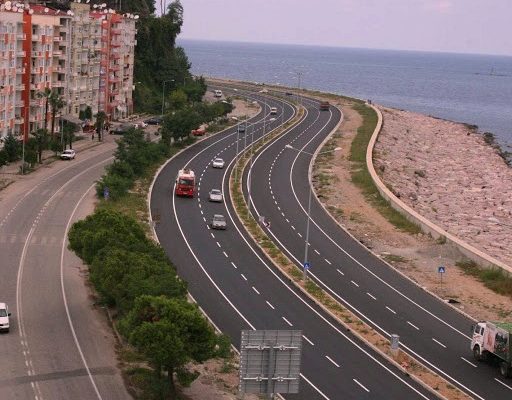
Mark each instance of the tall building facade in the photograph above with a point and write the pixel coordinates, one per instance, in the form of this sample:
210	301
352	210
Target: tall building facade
12	58
85	56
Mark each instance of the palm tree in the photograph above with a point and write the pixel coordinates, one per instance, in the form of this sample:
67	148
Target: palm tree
101	118
46	94
41	136
57	103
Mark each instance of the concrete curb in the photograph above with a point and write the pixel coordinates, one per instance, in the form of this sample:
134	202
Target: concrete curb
427	226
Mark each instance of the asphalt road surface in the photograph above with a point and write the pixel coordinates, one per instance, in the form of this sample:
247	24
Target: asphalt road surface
238	289
429	329
59	346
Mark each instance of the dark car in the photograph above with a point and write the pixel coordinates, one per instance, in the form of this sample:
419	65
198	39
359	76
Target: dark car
121	129
154	121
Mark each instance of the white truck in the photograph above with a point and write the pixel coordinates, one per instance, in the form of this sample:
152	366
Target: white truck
492	341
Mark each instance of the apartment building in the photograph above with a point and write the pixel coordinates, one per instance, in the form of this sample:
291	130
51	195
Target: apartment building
117	60
84	55
12	58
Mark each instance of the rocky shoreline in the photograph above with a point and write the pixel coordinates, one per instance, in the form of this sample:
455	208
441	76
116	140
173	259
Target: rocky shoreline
451	175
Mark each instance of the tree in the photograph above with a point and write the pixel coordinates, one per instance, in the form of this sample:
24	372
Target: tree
57	103
12	147
178	99
101	118
41	137
3	158
46	95
68	133
170	333
179	124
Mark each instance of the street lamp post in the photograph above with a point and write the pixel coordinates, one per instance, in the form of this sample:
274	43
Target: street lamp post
163	93
306	244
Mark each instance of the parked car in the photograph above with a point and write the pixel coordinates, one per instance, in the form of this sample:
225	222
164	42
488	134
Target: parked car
215	195
154	121
140	125
218	222
121	129
198	132
4	317
68	154
218	163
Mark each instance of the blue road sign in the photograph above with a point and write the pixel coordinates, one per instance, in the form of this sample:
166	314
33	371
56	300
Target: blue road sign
307	265
441	269
106	193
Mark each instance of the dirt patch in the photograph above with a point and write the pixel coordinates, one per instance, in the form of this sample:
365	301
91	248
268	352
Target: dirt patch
417	256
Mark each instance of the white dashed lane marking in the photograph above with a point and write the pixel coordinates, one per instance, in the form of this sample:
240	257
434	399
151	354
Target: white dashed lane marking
469	362
356	381
317	252
225	254
271	306
331	360
288	322
256	290
414	326
439	343
307	340
243	276
233	264
393	311
371	295
327	261
218	244
355	284
340	272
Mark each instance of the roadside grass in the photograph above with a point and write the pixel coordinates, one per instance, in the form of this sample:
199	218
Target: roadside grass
394	258
361	177
493	278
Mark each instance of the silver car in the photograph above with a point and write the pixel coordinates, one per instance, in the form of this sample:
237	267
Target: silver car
215	195
218	163
218	222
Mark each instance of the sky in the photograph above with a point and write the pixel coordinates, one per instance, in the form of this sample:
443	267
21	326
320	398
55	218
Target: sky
457	26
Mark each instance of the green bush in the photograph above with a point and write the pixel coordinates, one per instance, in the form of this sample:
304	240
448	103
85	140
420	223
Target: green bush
117	186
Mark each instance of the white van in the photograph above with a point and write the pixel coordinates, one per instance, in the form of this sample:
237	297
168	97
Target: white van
273	110
217	93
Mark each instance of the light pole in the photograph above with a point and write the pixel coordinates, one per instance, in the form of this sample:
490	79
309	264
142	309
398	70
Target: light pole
306	244
163	93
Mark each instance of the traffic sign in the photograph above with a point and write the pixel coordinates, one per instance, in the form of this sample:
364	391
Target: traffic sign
307	265
441	269
106	193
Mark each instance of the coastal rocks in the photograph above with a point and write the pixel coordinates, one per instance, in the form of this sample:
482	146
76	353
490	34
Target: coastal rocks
450	177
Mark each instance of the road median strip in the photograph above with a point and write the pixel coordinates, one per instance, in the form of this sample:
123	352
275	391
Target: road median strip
380	344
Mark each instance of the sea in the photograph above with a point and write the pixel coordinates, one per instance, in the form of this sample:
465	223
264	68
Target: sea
469	88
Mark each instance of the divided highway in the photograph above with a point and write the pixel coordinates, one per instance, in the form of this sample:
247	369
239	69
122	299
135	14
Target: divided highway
235	285
429	329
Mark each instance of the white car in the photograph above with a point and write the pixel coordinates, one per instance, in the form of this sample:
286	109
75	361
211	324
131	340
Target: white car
4	317
218	163
68	154
215	195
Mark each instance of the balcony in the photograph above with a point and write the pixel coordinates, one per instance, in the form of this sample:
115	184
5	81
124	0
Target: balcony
60	70
19	103
21	36
57	53
59	84
57	39
20	70
20	87
115	31
37	54
20	54
35	37
18	120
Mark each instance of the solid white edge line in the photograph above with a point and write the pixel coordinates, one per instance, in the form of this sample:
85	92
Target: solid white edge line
344	301
63	289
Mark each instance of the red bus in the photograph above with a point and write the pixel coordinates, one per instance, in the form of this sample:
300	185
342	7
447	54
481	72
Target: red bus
185	183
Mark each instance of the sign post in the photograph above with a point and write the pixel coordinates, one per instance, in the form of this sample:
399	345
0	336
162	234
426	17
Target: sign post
106	193
307	266
441	270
